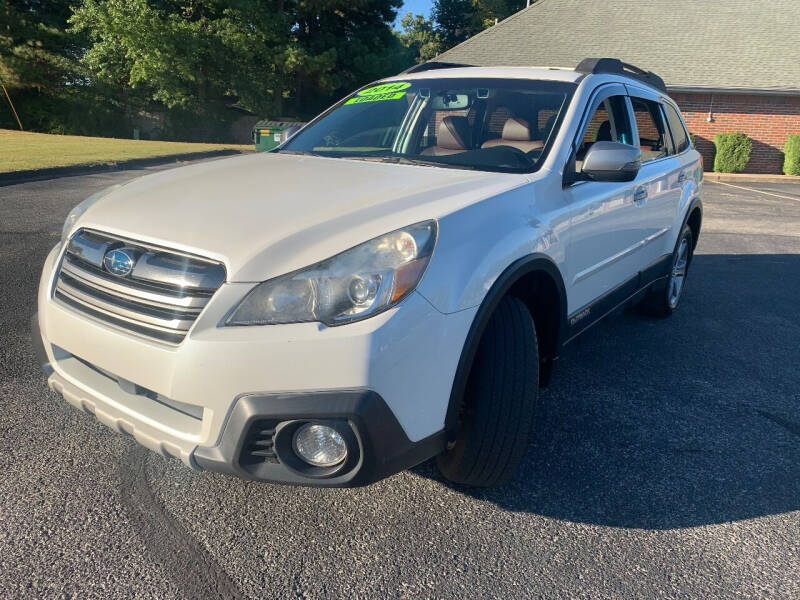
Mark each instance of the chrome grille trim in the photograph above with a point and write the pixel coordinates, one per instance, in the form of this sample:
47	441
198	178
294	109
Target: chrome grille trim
131	293
120	310
159	300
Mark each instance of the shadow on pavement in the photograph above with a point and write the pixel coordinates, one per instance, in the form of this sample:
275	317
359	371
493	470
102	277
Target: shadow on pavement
687	421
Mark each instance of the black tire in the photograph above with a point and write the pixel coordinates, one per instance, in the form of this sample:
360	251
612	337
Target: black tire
660	300
497	414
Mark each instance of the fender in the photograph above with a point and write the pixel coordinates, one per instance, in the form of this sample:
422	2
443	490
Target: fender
513	273
695	202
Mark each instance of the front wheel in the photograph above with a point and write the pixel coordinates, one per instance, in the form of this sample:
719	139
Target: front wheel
497	414
663	300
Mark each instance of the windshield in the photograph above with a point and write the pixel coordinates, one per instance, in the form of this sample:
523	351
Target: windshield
487	124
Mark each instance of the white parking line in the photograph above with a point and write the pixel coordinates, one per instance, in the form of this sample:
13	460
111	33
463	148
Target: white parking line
741	187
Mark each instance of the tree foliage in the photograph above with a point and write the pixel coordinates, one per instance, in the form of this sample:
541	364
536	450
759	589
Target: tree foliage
40	65
96	66
190	59
267	55
458	20
35	50
420	37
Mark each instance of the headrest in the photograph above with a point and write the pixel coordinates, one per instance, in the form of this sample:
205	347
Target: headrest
604	132
516	130
453	133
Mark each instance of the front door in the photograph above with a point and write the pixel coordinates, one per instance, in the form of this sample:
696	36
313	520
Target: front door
604	247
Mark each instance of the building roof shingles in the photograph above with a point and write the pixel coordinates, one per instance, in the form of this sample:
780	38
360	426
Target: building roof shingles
702	44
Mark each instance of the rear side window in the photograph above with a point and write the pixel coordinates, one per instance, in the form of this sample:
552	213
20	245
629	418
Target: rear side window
652	131
679	138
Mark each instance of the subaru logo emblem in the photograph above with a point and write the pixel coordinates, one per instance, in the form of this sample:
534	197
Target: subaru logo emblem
120	262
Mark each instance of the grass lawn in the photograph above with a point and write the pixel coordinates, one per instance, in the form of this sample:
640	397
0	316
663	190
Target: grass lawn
21	150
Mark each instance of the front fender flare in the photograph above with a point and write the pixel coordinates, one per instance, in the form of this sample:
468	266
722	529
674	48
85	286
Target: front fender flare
513	273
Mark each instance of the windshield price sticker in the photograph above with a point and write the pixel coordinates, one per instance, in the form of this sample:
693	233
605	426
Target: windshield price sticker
377	93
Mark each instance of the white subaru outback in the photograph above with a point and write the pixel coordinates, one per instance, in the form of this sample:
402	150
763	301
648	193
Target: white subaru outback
391	284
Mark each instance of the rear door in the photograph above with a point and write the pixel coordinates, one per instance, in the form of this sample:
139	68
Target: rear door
658	185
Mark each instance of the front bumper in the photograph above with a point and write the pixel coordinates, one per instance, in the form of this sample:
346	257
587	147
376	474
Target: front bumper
378	448
388	378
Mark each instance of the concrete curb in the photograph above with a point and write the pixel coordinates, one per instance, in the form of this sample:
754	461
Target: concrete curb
55	172
750	178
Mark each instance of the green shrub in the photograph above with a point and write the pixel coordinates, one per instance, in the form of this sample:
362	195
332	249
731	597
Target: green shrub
733	152
791	162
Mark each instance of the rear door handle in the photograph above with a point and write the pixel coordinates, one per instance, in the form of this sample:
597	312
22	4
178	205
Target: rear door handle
640	196
681	177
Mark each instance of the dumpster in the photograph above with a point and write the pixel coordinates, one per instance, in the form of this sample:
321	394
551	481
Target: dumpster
270	134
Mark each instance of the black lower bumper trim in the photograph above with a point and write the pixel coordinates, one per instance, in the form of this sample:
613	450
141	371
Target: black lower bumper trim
383	447
38	346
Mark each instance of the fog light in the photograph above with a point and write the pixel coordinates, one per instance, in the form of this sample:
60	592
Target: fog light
319	445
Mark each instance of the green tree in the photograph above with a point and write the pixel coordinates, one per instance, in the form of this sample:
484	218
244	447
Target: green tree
490	11
458	20
342	44
35	50
269	56
78	64
420	36
40	65
193	55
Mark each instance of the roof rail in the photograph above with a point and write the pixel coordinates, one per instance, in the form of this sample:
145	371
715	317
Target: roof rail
429	66
617	67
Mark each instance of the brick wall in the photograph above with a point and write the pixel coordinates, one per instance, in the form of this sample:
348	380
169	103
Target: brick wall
766	119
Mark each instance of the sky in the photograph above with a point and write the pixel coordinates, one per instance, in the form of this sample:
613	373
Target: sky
418	7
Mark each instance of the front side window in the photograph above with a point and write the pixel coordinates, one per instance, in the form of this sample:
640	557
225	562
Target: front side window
680	140
653	138
609	123
485	124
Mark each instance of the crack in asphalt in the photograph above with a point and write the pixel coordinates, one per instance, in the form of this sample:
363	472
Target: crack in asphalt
189	565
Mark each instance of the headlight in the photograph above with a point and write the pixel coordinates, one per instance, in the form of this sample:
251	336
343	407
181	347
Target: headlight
81	208
353	285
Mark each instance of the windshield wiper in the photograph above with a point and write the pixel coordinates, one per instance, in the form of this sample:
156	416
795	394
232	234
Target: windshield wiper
298	152
402	160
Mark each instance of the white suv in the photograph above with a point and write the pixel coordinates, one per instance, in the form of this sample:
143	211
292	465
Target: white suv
391	284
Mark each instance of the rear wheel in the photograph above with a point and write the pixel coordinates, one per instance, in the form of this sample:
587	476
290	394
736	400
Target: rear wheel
663	299
497	413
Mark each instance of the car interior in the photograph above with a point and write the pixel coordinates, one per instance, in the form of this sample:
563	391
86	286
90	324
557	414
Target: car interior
652	132
518	121
504	128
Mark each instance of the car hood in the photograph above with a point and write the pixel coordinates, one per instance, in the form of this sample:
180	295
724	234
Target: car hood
264	215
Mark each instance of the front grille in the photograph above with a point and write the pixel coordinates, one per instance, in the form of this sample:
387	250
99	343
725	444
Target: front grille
159	298
259	445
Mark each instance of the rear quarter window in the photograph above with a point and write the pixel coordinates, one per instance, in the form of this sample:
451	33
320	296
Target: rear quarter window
680	138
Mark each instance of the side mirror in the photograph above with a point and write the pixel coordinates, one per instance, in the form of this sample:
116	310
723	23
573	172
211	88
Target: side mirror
289	132
612	161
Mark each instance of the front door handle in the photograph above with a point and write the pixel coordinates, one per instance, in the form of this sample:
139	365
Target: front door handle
640	196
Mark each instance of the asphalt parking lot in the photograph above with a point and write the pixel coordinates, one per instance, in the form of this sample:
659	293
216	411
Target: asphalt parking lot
666	460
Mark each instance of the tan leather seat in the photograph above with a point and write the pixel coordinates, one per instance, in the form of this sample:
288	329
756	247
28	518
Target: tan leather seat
516	133
452	138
